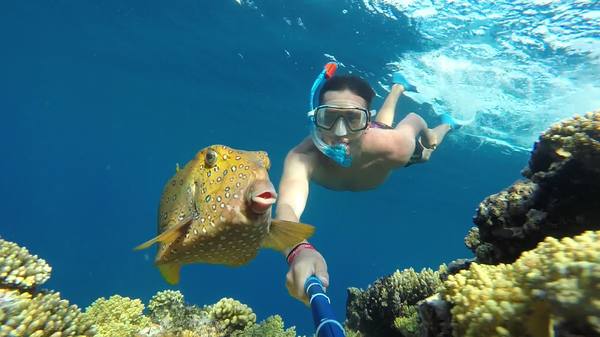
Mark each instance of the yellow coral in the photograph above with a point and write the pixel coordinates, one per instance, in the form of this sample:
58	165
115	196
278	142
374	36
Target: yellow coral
167	308
232	315
20	269
575	135
117	316
557	282
43	314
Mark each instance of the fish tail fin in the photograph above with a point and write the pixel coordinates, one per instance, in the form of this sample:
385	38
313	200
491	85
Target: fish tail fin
284	234
170	272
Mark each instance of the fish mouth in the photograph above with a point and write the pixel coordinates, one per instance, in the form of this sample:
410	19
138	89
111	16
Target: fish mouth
262	201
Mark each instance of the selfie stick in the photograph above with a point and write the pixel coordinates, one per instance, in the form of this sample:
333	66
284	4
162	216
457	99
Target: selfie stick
325	323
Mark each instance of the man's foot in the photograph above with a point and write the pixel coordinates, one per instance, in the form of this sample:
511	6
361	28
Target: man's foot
398	78
446	118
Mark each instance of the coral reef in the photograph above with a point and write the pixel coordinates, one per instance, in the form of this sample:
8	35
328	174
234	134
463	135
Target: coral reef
388	306
271	327
535	273
232	315
559	198
117	316
40	314
20	269
168	309
555	287
167	305
26	311
171	317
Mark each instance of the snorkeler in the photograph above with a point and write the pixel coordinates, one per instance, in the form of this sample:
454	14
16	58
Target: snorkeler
348	151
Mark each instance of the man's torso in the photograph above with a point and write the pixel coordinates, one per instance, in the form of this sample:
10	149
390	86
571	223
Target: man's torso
371	165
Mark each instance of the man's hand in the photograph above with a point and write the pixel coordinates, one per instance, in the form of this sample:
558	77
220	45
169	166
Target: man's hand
306	263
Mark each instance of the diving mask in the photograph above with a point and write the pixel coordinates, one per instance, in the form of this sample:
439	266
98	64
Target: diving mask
336	123
354	118
340	153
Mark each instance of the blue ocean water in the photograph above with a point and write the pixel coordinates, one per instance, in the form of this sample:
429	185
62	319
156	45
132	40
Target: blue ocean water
100	100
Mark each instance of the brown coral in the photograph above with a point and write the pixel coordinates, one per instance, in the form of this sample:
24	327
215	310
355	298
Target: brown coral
388	306
561	197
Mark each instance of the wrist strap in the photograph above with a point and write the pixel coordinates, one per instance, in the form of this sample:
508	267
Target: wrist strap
292	254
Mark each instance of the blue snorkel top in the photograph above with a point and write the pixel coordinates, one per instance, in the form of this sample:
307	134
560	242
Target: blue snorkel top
338	152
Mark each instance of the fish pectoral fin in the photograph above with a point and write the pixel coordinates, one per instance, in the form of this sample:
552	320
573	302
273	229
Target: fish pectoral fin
167	236
284	234
170	272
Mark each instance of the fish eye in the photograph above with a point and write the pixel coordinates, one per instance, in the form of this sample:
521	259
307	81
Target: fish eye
211	158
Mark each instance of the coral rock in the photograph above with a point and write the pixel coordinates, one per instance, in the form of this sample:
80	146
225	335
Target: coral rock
560	199
388	307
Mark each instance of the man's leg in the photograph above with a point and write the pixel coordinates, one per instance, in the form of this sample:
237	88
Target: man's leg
439	132
388	109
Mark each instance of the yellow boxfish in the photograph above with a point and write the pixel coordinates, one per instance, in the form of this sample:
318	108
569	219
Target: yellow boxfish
217	209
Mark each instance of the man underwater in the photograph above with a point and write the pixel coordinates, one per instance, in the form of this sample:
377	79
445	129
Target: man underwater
348	151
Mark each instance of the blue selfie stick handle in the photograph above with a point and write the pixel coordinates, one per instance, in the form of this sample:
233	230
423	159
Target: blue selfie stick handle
325	323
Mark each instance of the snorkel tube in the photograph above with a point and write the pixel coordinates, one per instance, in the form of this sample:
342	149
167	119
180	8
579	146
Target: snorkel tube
338	152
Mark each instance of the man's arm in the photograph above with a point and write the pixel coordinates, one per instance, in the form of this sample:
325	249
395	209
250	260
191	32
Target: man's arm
293	187
293	193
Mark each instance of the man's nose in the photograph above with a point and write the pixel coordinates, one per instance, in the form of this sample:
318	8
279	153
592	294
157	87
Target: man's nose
339	129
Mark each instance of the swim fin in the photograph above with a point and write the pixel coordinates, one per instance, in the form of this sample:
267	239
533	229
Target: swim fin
446	118
398	78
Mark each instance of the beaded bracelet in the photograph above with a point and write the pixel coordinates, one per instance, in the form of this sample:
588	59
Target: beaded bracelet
292	254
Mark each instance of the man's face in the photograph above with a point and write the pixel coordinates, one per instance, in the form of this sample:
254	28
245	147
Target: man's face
345	118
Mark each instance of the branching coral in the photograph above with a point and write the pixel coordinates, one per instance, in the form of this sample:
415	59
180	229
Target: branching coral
387	308
43	314
27	312
166	305
271	327
554	287
168	309
560	198
232	315
174	319
117	316
20	269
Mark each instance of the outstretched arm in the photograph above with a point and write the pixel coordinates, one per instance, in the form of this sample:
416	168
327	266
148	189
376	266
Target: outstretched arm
293	187
304	261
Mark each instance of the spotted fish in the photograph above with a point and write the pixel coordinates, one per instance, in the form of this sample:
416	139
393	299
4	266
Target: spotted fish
217	209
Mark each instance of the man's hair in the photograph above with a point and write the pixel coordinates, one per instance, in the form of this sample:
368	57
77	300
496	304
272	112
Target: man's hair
355	84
